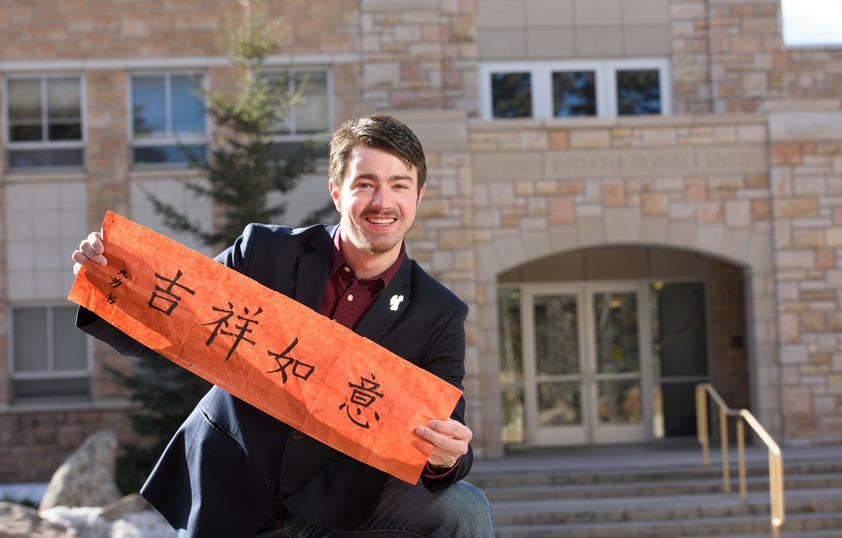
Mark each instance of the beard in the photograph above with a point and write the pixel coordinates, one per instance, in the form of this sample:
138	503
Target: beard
373	243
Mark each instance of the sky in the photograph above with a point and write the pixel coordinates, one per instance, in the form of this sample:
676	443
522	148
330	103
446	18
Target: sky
812	22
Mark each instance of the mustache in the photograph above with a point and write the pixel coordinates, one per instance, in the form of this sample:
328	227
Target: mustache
370	213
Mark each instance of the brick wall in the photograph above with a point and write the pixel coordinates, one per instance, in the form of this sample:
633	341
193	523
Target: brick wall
806	158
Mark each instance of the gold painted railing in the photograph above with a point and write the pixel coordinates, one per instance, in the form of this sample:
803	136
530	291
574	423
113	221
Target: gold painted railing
776	475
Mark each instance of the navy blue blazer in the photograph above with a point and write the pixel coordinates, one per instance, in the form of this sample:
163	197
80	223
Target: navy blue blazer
211	479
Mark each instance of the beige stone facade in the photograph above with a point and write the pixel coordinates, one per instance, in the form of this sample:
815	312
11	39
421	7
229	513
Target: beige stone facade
738	185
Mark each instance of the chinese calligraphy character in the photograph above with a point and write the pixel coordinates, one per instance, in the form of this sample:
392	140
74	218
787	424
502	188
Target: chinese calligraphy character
111	298
116	282
238	337
299	369
364	395
169	296
124	274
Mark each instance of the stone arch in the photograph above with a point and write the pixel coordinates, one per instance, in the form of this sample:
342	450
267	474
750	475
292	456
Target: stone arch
752	250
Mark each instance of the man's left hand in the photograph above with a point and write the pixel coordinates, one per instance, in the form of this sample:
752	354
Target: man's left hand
450	440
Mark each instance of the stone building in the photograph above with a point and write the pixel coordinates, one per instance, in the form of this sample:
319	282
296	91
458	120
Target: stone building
633	196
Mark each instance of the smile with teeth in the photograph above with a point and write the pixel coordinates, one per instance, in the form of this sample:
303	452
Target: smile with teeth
381	221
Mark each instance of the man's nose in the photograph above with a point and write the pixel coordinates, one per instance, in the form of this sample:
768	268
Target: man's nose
381	198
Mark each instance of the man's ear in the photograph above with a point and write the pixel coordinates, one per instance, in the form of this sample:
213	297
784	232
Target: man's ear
334	193
421	194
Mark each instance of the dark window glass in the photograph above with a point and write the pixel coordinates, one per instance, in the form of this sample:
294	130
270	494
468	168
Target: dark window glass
64	109
149	106
169	154
25	123
511	95
638	92
25	158
574	93
188	111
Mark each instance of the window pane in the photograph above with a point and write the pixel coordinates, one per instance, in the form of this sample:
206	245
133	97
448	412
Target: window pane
574	93
559	404
64	109
679	409
168	154
511	357
514	423
63	99
188	112
619	402
46	388
149	107
45	157
638	92
25	110
679	329
312	110
511	95
556	335
615	322
30	332
68	341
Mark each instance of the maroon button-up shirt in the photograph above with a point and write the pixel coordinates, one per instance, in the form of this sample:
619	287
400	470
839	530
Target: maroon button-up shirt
347	297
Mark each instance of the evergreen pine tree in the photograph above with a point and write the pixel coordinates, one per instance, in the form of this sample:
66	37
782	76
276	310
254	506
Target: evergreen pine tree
244	169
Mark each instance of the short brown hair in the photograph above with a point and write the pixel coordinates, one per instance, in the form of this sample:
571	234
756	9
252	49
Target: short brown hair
378	131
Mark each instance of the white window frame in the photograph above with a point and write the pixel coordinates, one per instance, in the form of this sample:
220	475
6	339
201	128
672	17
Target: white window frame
605	83
50	372
170	139
291	120
45	144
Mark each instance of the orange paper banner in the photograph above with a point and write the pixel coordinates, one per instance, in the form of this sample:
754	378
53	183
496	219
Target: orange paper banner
265	348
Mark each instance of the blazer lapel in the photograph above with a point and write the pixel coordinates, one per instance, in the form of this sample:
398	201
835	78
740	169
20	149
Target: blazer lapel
313	270
389	305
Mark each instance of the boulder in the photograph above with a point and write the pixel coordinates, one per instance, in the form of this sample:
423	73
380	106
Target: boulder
19	521
86	478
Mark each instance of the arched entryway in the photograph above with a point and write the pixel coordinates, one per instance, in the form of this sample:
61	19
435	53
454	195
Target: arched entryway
605	344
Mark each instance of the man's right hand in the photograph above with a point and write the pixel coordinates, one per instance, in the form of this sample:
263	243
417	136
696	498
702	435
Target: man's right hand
92	249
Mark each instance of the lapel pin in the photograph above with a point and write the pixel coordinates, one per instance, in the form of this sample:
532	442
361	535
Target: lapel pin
394	302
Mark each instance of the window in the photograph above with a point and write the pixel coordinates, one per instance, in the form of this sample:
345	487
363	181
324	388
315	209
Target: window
567	89
168	119
44	122
49	355
310	113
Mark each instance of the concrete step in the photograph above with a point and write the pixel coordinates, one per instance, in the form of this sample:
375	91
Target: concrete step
528	491
654	473
660	508
799	526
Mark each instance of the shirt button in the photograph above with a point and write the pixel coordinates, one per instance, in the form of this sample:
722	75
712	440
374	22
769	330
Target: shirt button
297	435
350	297
347	269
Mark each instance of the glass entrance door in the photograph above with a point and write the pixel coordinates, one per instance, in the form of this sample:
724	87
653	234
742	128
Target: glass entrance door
585	364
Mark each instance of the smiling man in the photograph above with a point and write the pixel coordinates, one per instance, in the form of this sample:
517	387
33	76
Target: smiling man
232	470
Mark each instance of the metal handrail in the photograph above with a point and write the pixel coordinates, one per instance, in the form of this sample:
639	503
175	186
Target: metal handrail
776	475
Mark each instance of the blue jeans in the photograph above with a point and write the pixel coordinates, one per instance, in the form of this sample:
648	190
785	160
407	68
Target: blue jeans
458	511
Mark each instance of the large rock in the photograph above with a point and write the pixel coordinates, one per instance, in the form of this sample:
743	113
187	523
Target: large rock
18	521
86	478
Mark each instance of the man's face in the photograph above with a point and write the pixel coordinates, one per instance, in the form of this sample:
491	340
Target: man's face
377	201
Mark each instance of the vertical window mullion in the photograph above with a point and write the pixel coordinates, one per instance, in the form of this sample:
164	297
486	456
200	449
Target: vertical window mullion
168	105
542	93
291	89
45	111
51	360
